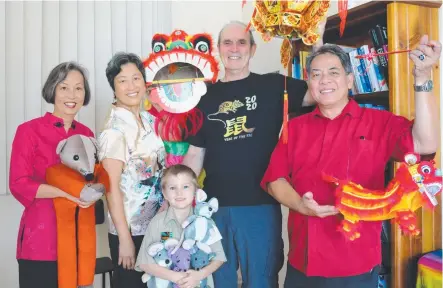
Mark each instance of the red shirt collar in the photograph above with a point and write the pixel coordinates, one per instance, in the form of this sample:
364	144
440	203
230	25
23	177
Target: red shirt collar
352	109
56	121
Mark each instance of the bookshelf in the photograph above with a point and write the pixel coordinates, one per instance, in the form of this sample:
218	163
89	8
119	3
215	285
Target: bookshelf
405	21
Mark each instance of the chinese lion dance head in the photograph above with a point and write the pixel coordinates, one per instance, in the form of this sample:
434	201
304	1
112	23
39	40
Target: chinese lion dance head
176	74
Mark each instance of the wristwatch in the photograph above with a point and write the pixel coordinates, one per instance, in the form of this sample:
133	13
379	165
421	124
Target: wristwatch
426	87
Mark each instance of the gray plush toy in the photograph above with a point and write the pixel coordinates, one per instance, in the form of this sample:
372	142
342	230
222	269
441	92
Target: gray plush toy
161	254
199	227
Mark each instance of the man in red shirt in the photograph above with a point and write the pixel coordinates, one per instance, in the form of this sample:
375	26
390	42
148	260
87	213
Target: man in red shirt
349	142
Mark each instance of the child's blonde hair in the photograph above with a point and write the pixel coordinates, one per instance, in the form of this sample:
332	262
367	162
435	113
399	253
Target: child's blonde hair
176	170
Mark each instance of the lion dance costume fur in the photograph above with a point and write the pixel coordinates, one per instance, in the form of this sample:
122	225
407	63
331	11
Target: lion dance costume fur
176	72
416	184
79	175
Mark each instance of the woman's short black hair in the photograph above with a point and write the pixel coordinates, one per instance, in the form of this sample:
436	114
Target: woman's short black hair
120	59
58	74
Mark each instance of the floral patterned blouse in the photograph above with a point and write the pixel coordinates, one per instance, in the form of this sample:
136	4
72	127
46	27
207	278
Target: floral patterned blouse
143	155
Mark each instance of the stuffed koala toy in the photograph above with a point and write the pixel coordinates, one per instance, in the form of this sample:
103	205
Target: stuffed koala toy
200	258
200	227
162	256
181	261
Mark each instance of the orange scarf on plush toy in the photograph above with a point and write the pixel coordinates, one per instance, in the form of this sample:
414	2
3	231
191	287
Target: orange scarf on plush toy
79	175
76	236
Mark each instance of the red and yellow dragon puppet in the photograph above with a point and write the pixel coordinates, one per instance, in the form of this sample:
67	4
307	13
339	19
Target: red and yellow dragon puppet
176	74
416	184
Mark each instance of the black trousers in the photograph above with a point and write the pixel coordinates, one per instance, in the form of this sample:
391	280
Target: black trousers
123	278
296	279
37	274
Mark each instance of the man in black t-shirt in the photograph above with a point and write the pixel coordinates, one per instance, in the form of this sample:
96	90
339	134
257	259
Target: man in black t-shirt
243	116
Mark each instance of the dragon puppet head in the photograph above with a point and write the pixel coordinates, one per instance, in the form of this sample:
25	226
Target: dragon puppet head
423	176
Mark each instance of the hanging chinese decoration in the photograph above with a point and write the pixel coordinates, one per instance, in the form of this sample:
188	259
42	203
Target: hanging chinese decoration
292	19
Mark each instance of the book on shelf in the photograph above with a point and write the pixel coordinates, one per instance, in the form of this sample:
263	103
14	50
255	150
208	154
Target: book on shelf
370	75
372	106
379	40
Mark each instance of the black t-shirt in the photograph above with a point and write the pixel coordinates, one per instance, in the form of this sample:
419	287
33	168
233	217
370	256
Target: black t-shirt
241	126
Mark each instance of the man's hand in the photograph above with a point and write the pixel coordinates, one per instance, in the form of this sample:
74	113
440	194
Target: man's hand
310	207
425	56
191	280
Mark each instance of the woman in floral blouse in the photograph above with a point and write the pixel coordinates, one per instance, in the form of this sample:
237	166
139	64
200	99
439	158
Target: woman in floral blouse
134	157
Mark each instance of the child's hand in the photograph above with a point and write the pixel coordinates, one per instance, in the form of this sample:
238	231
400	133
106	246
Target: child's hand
192	279
178	276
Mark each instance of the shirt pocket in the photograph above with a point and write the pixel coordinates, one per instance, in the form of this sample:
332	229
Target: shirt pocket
362	155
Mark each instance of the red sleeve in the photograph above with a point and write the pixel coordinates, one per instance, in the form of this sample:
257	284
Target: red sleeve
279	165
21	183
400	139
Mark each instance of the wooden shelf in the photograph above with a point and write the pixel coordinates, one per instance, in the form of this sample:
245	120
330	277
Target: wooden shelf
362	18
359	21
380	98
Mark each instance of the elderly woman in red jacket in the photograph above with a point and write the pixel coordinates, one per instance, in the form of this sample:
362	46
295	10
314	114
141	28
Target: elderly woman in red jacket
33	151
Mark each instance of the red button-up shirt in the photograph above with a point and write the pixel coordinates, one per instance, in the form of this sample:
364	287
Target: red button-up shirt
355	146
33	151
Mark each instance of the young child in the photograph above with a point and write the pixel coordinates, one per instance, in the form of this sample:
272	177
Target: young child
179	186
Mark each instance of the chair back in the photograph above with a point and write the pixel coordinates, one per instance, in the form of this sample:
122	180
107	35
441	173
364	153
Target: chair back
99	212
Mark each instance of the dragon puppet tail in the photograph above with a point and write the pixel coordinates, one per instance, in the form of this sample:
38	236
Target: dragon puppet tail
330	179
334	181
